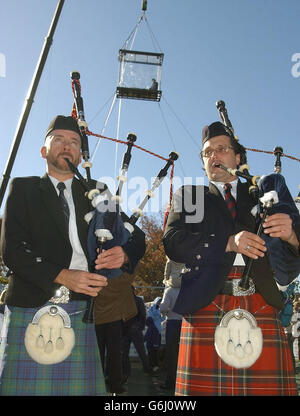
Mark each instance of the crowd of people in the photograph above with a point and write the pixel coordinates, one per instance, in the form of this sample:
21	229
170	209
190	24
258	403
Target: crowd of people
222	327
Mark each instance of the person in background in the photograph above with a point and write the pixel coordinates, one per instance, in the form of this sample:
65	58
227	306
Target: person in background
133	334
172	281
153	334
2	308
114	307
296	333
111	310
154	86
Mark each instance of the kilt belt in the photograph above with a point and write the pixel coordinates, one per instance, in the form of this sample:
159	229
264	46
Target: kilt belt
231	285
231	288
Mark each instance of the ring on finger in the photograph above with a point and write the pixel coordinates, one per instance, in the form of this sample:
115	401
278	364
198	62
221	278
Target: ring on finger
248	247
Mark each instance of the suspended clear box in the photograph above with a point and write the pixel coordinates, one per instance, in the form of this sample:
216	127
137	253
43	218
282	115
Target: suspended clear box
139	75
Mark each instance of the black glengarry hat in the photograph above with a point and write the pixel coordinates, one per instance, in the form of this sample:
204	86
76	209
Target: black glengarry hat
63	123
215	129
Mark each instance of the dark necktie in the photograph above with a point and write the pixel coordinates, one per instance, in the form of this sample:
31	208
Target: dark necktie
230	201
65	207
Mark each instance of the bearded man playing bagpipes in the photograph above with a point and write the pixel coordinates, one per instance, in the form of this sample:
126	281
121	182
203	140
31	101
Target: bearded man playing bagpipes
47	348
232	341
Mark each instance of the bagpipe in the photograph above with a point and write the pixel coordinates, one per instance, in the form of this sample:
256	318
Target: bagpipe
107	229
272	196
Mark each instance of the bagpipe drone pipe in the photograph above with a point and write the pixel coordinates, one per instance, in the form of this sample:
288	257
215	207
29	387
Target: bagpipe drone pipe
108	226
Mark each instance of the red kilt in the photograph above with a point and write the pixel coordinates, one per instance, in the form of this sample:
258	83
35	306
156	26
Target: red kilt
201	372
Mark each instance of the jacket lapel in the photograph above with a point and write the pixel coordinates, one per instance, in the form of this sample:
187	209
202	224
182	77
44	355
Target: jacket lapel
221	204
52	205
244	204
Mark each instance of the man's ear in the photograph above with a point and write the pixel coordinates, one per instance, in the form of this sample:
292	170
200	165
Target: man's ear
43	152
238	159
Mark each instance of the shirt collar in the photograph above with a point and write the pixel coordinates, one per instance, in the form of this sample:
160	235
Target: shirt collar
220	186
68	183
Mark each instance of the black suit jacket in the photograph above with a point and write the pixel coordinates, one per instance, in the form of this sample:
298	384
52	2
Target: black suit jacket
35	242
201	245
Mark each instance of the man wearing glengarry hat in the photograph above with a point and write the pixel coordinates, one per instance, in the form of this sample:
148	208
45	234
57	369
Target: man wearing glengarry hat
232	342
49	350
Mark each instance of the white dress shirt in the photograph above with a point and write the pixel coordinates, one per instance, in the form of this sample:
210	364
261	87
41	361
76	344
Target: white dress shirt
78	261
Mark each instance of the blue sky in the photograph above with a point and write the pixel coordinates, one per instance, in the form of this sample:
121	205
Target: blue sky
239	51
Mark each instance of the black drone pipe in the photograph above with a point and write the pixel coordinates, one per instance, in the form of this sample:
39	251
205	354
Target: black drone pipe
75	75
245	280
221	106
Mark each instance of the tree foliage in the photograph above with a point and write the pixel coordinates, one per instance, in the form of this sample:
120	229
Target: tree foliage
149	273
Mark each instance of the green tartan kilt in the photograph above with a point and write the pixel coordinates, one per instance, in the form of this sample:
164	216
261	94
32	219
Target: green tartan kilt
80	374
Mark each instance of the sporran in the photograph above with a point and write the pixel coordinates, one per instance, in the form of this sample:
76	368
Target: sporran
238	340
49	338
